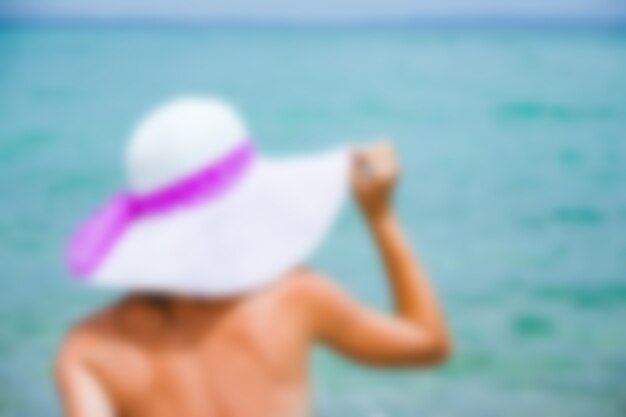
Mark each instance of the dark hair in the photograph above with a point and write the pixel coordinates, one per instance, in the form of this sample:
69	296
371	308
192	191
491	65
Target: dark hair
161	303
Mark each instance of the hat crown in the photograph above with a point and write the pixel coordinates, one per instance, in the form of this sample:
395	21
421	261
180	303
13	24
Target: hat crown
179	138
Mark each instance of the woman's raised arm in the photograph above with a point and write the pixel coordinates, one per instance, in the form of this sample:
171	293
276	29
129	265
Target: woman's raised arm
417	333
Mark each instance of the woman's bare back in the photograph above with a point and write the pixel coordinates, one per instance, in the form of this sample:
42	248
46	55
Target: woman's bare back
163	357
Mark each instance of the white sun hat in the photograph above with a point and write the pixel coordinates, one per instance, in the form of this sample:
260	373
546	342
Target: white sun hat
203	212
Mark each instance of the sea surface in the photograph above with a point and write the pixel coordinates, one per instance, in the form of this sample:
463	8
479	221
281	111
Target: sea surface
513	144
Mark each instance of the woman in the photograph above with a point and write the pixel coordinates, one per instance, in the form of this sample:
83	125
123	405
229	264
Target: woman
210	243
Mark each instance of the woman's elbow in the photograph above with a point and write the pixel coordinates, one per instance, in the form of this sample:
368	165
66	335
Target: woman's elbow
442	351
436	352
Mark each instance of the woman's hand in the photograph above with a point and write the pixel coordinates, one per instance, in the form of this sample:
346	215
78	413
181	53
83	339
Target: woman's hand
374	173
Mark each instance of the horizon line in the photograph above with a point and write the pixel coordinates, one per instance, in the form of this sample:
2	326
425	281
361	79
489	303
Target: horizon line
485	20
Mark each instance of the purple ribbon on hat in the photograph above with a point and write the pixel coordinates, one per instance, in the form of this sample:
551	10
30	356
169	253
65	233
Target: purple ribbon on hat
94	238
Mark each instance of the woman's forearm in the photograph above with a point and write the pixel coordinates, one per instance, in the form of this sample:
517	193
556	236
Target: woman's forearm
413	297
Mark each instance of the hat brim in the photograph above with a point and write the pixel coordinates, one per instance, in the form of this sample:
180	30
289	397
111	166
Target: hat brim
270	222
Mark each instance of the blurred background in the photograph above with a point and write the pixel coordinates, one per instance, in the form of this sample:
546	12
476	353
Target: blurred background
510	119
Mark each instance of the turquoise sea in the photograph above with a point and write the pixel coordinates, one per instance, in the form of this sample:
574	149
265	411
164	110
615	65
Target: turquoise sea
513	142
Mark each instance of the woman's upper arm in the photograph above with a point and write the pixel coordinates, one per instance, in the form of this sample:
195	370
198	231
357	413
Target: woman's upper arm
364	334
81	393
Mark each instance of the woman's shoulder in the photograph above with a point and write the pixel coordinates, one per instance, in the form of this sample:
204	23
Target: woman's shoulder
305	282
310	292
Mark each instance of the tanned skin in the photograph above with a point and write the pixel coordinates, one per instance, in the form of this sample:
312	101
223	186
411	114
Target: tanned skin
153	356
